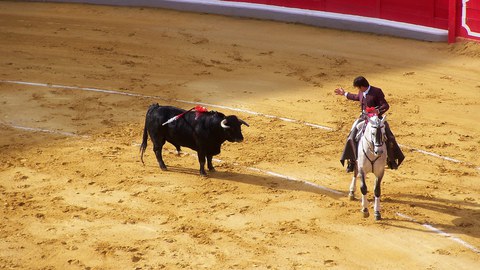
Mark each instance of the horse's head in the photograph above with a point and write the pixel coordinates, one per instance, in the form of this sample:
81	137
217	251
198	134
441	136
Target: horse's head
376	130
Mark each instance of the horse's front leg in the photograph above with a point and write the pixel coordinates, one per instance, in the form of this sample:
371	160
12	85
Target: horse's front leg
377	192
353	185
363	189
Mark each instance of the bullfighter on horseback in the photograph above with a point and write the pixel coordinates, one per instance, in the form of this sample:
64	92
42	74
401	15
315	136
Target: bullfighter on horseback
369	96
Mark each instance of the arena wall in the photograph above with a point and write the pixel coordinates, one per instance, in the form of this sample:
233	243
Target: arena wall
432	13
429	20
460	17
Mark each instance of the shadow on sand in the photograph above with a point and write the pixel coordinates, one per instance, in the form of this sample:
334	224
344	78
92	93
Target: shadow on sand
261	180
466	215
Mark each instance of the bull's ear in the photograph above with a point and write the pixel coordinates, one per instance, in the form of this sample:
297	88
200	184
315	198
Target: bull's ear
243	122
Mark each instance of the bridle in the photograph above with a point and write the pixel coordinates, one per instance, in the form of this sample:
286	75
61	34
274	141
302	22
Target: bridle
374	142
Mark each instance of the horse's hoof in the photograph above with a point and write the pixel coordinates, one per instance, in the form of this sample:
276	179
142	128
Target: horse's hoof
351	196
378	216
365	212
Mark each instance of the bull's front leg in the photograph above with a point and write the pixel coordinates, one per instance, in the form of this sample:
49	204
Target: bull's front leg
209	163
201	160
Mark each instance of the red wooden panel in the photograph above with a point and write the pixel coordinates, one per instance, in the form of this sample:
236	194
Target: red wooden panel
472	19
441	9
473	13
304	4
440	23
474	24
253	1
354	7
440	15
416	12
473	4
433	13
404	8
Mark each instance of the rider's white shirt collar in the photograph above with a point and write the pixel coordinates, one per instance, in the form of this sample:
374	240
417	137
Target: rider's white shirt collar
366	92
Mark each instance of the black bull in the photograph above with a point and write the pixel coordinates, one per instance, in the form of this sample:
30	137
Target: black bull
204	134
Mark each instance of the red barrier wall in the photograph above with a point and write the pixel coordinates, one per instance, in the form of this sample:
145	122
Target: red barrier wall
433	13
465	21
468	19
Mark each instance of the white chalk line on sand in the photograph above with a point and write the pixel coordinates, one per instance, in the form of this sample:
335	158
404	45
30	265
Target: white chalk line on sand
278	175
59	132
433	154
161	98
440	232
215	106
438	156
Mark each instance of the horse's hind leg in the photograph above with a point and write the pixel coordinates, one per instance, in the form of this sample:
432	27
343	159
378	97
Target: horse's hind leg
377	192
363	189
353	185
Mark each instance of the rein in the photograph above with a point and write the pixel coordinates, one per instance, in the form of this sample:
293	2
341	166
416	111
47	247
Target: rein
370	146
371	161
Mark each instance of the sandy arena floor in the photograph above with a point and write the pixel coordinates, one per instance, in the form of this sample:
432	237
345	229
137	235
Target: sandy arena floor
79	197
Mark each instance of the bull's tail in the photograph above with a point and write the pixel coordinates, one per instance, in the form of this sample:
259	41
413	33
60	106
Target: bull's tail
143	146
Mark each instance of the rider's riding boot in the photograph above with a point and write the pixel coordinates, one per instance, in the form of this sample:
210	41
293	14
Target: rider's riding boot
350	151
350	166
354	145
392	164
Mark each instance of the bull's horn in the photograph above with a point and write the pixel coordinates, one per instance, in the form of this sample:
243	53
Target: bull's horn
224	123
243	122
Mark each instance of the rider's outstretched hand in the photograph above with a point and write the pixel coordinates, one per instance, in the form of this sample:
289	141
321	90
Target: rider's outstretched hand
339	91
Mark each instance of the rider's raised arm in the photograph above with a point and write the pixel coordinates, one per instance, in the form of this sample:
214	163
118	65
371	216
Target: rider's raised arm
352	96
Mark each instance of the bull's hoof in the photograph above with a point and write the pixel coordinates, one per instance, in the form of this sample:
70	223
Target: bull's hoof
351	196
212	169
365	212
163	168
378	216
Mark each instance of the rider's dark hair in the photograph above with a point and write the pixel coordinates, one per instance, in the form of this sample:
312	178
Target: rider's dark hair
360	81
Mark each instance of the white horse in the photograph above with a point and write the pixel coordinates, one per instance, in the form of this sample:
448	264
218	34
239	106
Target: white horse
372	157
